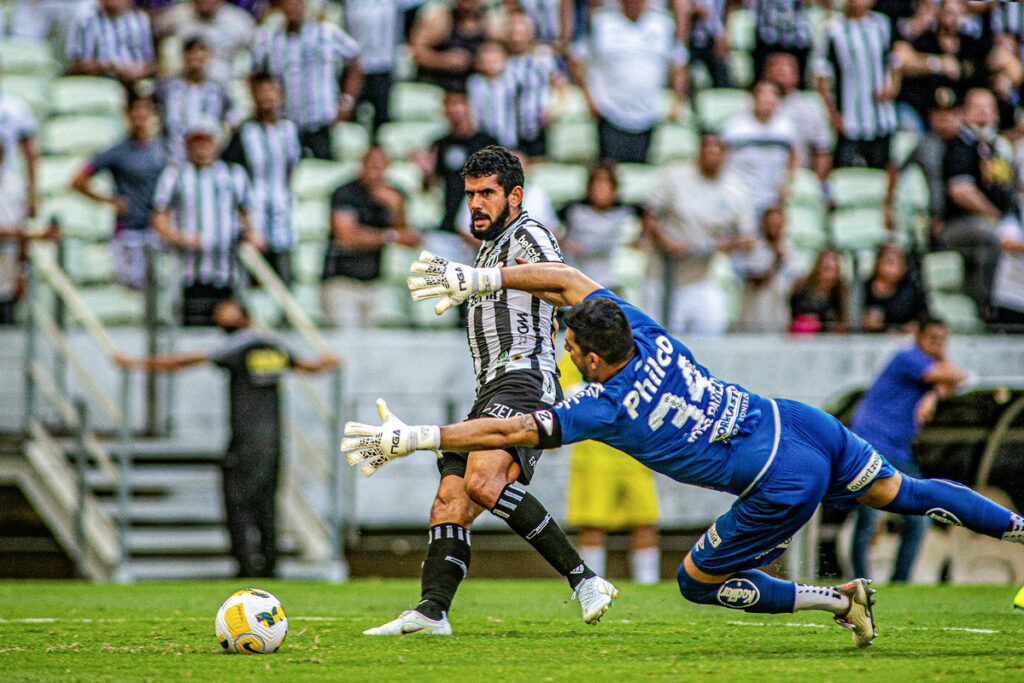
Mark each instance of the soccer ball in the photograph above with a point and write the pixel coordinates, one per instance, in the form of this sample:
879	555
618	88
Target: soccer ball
1018	601
251	621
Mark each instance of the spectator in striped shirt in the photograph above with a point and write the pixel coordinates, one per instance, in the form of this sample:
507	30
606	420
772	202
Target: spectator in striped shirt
855	56
267	146
112	39
227	29
190	97
134	163
709	43
307	56
541	87
782	26
366	215
492	92
199	207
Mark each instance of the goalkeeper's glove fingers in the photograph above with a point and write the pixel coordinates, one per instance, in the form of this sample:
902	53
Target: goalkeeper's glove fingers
437	277
375	446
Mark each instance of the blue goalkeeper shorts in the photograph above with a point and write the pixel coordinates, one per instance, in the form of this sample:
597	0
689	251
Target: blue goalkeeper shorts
818	460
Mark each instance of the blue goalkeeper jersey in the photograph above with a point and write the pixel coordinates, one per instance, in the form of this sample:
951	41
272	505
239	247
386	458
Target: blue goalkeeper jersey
671	414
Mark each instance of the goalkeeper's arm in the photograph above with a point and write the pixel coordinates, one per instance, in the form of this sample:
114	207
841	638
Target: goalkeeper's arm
557	283
490	433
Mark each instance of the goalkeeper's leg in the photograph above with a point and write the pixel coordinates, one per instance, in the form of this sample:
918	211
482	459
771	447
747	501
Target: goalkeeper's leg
946	502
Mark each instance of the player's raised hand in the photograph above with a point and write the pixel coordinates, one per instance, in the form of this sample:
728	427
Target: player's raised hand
452	282
377	446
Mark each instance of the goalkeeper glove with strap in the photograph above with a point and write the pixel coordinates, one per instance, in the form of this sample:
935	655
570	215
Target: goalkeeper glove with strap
377	446
452	282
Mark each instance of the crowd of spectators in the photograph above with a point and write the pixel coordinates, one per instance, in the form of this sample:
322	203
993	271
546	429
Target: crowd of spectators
886	84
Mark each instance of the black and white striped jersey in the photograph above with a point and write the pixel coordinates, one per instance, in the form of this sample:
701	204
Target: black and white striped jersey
511	330
494	106
308	63
377	27
856	57
1007	18
205	201
183	103
783	23
122	39
546	15
269	153
704	31
532	73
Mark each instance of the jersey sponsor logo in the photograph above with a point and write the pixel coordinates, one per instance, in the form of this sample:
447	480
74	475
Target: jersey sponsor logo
530	251
266	363
713	537
738	594
546	421
781	546
500	410
944	517
593	390
866	475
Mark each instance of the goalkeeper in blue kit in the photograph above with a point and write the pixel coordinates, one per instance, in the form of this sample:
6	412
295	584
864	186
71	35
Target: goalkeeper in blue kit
650	398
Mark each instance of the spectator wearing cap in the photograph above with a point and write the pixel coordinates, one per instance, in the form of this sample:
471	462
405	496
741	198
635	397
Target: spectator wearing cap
444	41
134	163
112	39
814	137
695	212
202	207
855	57
190	97
307	56
226	29
980	192
622	67
781	26
267	147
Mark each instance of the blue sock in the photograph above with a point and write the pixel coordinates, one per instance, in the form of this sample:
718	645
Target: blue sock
749	590
953	504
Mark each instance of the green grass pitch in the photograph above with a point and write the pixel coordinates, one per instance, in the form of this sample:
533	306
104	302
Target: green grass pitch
505	631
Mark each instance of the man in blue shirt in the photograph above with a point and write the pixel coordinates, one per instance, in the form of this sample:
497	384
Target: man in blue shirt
889	416
651	399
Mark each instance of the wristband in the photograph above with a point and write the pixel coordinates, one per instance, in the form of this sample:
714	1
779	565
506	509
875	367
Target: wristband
425	438
390	236
490	280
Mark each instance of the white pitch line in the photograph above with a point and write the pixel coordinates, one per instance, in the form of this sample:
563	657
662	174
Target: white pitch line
794	624
83	620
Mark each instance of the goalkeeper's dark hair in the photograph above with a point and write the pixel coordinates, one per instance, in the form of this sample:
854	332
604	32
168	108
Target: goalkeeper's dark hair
495	160
600	326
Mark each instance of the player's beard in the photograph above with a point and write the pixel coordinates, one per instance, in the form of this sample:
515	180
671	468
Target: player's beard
497	226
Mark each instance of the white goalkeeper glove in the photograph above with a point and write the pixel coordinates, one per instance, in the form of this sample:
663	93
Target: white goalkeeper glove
377	446
453	282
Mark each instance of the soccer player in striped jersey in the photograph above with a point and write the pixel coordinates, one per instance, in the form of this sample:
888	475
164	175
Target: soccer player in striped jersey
198	207
112	39
510	336
649	397
267	147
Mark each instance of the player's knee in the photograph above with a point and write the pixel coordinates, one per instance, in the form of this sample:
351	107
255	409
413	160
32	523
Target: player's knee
451	507
484	489
694	590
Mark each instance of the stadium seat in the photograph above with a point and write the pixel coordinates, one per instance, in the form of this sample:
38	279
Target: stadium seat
424	210
902	144
637	182
89	263
309	262
740	28
35	90
171	53
943	271
860	228
240	95
912	201
406	176
806	189
114	305
308	297
572	141
741	69
400	138
74	134
858	187
958	310
673	142
350	141
806	226
564	183
318	178
79	217
24	56
87	95
410	101
715	106
574	106
54	174
312	219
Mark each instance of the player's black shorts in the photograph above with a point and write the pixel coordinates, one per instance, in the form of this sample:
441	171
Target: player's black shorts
516	393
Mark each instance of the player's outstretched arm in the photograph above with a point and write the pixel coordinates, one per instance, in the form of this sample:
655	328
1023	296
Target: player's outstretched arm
375	446
556	283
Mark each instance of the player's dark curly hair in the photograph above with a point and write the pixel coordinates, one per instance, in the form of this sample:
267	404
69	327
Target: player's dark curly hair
600	326
495	160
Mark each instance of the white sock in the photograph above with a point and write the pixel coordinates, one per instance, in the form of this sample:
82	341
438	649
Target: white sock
827	598
1016	532
645	564
594	557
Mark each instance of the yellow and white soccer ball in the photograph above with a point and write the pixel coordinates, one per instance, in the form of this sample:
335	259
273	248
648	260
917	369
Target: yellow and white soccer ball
251	621
1018	601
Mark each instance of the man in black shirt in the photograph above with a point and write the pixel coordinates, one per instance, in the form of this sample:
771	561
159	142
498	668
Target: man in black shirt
255	363
980	181
366	215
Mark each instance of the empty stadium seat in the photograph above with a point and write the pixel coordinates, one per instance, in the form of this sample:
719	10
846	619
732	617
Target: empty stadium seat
240	95
87	95
309	262
958	310
806	226
715	106
312	219
572	141
114	305
741	69
740	27
89	262
79	217
34	89
410	101
400	138
308	297
350	141
424	210
943	271
858	187
406	176
25	56
673	142
574	105
860	228
564	183
74	134
55	173
902	144
319	178
806	189
637	182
